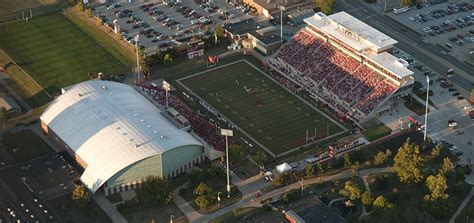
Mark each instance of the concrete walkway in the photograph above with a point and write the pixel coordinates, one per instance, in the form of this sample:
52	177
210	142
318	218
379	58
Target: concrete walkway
108	208
462	206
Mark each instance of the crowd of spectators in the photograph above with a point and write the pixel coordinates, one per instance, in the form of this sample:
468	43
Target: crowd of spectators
200	125
305	57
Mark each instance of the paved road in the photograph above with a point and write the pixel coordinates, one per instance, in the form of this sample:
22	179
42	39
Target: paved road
410	42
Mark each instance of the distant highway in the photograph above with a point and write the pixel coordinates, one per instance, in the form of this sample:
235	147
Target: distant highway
411	43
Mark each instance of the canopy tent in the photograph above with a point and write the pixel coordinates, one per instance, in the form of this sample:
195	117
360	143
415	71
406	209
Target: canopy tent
284	167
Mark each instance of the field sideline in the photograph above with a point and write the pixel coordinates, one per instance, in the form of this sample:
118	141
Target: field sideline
262	109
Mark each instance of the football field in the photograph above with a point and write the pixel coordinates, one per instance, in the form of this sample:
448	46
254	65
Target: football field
259	106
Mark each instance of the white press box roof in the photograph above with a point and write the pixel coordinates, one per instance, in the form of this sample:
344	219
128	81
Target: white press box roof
350	31
110	126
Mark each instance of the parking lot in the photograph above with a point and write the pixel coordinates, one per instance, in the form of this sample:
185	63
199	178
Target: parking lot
26	187
169	24
450	105
450	26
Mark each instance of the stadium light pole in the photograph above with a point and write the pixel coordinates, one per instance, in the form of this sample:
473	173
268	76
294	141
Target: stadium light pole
166	87
281	25
227	133
137	38
426	106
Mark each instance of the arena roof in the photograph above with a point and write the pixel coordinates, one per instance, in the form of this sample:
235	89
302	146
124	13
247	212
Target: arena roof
110	126
351	31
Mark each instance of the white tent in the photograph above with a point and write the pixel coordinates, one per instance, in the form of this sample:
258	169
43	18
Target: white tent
284	167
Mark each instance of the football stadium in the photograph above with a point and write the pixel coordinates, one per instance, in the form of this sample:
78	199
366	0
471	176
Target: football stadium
345	64
257	105
119	136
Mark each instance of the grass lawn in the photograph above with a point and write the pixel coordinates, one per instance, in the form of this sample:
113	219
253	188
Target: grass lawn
21	82
377	131
55	52
92	213
156	214
238	215
414	105
267	112
109	44
467	214
25	145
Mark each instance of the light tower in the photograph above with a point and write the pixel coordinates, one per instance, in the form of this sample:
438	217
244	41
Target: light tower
227	133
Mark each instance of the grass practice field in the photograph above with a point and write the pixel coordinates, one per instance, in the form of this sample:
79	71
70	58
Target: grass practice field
262	108
54	52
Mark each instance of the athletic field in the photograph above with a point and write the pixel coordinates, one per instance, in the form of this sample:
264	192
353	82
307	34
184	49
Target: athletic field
54	52
262	108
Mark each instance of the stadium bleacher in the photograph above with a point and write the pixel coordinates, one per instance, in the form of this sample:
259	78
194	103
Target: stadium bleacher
340	75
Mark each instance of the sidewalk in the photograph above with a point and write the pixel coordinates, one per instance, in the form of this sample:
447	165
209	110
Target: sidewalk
108	208
462	206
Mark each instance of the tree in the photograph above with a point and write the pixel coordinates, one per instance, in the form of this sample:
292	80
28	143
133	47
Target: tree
155	190
260	158
167	59
236	153
219	31
309	169
319	168
80	196
81	6
409	163
440	208
207	29
367	198
202	201
347	160
379	159
381	203
3	114
406	2
203	190
350	190
325	5
437	186
436	151
460	176
446	167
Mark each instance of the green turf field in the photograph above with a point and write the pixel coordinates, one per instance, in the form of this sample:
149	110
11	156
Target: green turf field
54	52
268	112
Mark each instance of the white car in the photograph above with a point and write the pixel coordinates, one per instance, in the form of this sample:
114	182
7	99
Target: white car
468	107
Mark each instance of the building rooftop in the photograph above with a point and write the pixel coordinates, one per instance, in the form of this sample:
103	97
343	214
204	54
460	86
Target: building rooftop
266	39
351	31
110	126
242	27
393	64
